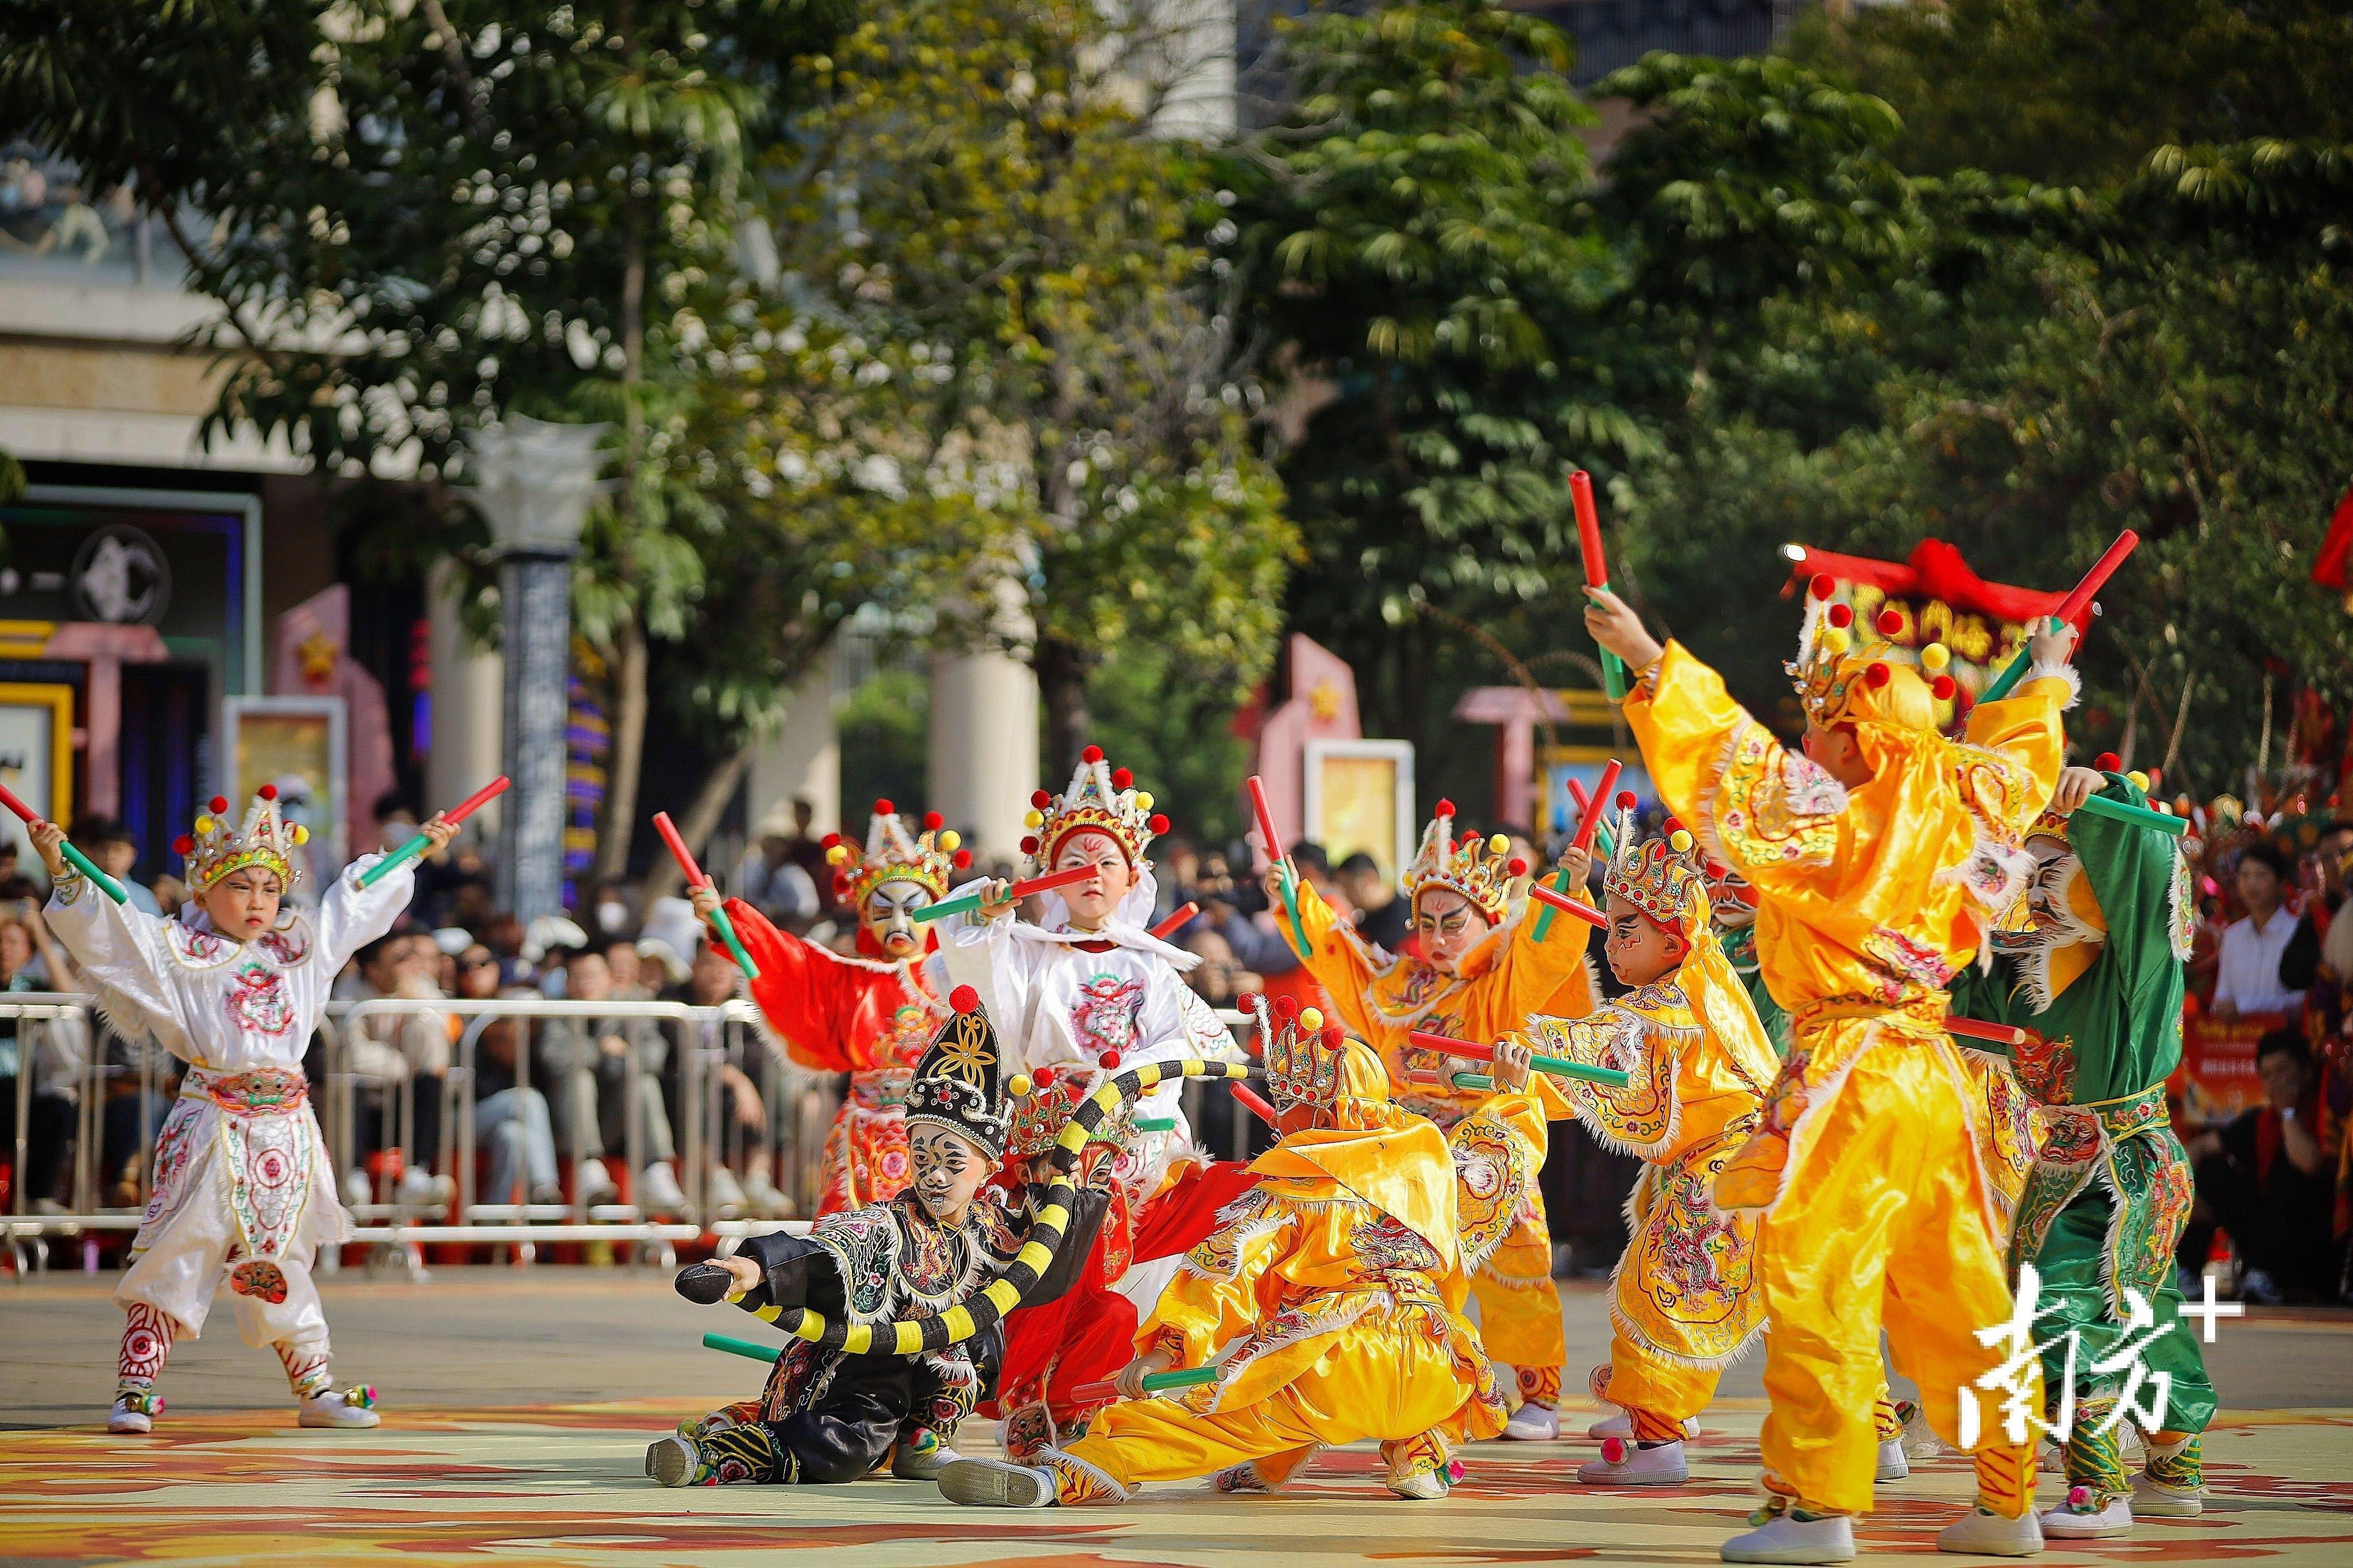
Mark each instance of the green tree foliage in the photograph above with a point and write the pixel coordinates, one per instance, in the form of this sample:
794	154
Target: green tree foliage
988	202
1411	234
2080	93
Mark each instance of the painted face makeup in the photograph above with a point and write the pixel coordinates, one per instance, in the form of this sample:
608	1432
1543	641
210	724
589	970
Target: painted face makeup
948	1169
889	917
1450	926
1091	903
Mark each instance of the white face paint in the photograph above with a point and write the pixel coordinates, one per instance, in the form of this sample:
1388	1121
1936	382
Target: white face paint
889	917
948	1169
1091	903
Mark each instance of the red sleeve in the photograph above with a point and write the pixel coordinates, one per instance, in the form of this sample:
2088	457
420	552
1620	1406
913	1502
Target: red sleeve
797	991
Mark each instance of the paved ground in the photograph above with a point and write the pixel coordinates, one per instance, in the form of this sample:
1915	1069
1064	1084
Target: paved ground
518	1404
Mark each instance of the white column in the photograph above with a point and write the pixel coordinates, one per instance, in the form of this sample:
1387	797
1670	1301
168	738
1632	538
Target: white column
984	747
802	759
468	687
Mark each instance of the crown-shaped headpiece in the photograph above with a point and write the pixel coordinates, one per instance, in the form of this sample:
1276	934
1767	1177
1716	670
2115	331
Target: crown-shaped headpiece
1044	1102
1666	878
892	854
1841	678
1473	867
1101	799
959	1083
1302	1052
216	847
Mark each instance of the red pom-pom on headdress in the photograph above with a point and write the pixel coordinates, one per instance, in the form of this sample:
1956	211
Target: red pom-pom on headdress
1942	688
184	845
1626	801
828	841
1040	799
1108	1061
1286	1008
1822	585
267	792
1248	1000
1092	754
1890	623
2108	763
219	803
1029	844
1121	778
1158	823
961	859
963	999
1445	808
1841	616
934	822
885	808
1516	866
1335	1036
1879	674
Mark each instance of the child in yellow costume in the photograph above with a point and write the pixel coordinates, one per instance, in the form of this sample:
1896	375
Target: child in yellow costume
1683	1301
1880	855
1334	1289
1479	975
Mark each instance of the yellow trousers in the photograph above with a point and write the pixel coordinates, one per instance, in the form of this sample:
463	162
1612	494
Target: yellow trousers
1519	1306
1375	1382
1645	1385
1884	1222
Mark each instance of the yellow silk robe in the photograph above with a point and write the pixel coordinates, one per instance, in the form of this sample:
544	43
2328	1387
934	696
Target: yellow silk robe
1877	1203
1383	998
1338	1282
1684	1299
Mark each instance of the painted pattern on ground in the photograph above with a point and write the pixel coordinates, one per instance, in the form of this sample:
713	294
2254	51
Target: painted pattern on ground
562	1484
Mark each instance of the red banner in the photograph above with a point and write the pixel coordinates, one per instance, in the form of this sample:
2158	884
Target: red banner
2217	1077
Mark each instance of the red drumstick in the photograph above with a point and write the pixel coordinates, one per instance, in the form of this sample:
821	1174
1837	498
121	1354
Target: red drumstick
696	878
1969	1028
1588	530
1176	921
2102	570
1566	905
1256	1102
1045	884
1596	804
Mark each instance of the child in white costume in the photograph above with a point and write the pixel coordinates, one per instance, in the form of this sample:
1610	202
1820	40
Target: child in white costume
244	1192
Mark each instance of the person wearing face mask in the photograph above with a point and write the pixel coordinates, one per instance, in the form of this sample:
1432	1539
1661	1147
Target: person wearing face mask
1683	1302
829	1415
2092	967
869	1014
1479	974
244	1192
1882	856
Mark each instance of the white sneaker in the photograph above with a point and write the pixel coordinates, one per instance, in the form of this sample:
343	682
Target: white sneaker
595	1184
992	1483
1893	1466
339	1409
1533	1423
658	1190
130	1420
424	1191
1624	1465
2069	1522
1983	1533
921	1463
728	1199
1422	1486
1786	1538
2155	1499
355	1188
1623	1425
1920	1439
767	1198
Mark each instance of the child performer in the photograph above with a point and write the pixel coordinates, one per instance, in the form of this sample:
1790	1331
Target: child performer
829	1415
1880	857
1735	903
1090	988
1338	1282
244	1191
1685	1300
2095	975
1480	975
870	1016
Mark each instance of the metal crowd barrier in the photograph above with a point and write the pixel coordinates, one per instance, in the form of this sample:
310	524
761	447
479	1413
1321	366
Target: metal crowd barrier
117	1096
690	1052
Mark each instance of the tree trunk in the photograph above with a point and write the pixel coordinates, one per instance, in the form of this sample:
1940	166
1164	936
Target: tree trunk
662	877
618	821
1061	672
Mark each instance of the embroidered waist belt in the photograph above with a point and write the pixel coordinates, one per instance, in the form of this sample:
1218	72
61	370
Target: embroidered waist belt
1922	1017
264	1091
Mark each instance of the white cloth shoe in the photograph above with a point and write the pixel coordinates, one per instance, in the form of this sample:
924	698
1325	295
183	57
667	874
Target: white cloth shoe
1533	1423
726	1194
1786	1538
1893	1466
335	1409
658	1192
128	1420
1663	1466
1421	1486
2155	1499
992	1483
1981	1533
767	1198
596	1183
923	1464
1920	1439
2065	1522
